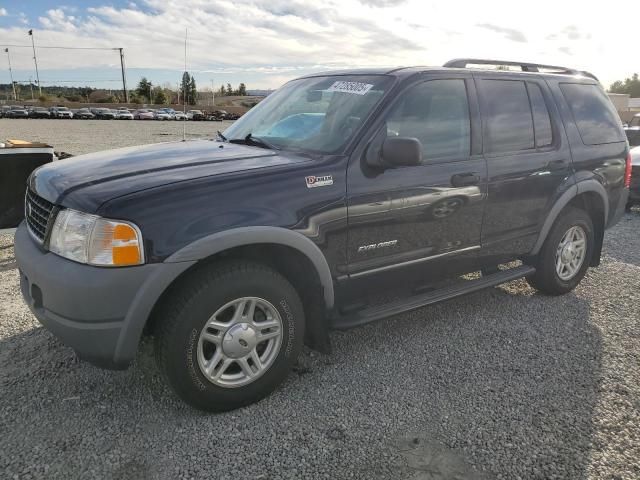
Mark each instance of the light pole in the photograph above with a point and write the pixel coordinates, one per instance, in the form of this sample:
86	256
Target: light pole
213	95
35	61
13	85
31	87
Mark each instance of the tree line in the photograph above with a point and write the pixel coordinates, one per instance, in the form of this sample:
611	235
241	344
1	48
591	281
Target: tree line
629	85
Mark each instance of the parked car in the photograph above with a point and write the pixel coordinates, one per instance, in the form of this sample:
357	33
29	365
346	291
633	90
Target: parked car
171	112
60	112
104	113
195	115
17	112
143	114
83	114
4	109
632	131
220	114
161	115
234	253
39	112
634	187
124	114
180	116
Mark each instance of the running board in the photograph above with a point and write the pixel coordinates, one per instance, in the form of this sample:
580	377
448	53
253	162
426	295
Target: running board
407	304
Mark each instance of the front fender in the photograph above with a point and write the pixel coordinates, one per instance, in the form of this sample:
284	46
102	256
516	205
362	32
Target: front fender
237	237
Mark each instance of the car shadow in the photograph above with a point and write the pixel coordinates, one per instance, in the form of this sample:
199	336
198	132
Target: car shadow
505	381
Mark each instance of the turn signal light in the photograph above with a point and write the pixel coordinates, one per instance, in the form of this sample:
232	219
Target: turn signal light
627	172
115	243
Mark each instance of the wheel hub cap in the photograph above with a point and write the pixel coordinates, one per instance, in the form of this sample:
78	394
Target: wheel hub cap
571	253
239	340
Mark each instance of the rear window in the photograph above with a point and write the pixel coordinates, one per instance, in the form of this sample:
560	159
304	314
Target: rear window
510	123
595	117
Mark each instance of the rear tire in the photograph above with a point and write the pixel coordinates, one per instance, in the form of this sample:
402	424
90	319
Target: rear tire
229	335
566	254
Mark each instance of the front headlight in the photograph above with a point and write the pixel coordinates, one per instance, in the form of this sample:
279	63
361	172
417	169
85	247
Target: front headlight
96	241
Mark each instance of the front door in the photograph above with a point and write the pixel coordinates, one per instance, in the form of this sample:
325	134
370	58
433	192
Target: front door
414	224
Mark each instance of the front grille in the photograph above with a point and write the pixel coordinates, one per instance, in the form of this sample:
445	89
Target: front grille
37	211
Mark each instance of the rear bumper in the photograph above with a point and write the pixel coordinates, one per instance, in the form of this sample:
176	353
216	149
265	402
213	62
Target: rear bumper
99	312
620	208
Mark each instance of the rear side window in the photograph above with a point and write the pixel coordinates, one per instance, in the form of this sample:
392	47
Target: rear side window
508	116
594	115
541	118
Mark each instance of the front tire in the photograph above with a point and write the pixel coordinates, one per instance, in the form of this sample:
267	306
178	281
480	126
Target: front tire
566	254
229	335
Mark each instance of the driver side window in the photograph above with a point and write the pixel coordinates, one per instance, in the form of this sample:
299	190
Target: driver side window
435	112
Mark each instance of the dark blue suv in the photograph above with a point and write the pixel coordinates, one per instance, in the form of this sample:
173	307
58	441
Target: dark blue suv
341	199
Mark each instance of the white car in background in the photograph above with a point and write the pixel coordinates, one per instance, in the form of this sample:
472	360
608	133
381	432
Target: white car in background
161	115
180	116
143	114
123	114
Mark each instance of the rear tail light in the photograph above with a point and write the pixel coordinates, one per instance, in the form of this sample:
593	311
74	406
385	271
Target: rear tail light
627	172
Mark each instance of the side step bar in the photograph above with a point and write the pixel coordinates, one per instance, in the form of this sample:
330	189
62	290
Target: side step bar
407	304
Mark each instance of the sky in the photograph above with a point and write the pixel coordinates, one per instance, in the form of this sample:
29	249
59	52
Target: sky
265	43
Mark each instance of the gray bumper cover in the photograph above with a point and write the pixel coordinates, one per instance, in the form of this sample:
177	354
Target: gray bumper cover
99	312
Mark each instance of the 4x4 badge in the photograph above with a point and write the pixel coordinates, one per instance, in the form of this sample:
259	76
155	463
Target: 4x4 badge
321	181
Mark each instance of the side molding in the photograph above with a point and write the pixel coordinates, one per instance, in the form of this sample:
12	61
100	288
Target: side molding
573	191
237	237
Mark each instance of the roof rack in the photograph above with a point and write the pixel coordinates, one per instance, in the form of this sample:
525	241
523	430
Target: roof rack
526	67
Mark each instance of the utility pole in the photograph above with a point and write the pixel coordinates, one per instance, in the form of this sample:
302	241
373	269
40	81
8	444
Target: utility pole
35	60
13	85
213	95
124	78
31	87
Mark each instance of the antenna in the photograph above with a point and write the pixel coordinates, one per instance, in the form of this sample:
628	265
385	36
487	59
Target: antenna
184	92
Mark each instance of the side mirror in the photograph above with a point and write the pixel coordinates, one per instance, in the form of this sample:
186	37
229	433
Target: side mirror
401	152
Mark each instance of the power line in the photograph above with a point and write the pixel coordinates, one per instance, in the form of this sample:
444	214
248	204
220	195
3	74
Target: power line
72	81
61	48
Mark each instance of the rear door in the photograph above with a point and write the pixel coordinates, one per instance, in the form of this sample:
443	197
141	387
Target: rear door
528	161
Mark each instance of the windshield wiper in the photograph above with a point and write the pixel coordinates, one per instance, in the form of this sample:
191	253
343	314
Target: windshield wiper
255	141
224	139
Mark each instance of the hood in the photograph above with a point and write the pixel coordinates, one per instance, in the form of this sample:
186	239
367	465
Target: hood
87	181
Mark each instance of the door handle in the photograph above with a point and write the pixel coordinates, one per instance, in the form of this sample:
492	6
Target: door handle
557	165
465	179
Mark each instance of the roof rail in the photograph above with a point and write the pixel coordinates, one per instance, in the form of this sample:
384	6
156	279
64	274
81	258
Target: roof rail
526	67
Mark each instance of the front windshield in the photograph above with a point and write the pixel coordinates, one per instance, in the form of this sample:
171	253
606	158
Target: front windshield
318	113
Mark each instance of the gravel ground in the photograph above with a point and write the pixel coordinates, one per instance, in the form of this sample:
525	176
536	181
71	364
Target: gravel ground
85	136
504	384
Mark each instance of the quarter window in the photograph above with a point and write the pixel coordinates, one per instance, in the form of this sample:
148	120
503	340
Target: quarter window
436	113
595	117
541	119
508	116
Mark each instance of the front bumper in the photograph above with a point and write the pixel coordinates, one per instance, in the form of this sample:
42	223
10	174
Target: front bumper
99	312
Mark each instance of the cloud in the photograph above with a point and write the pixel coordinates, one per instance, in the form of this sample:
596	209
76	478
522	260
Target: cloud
383	3
3	12
261	42
509	33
